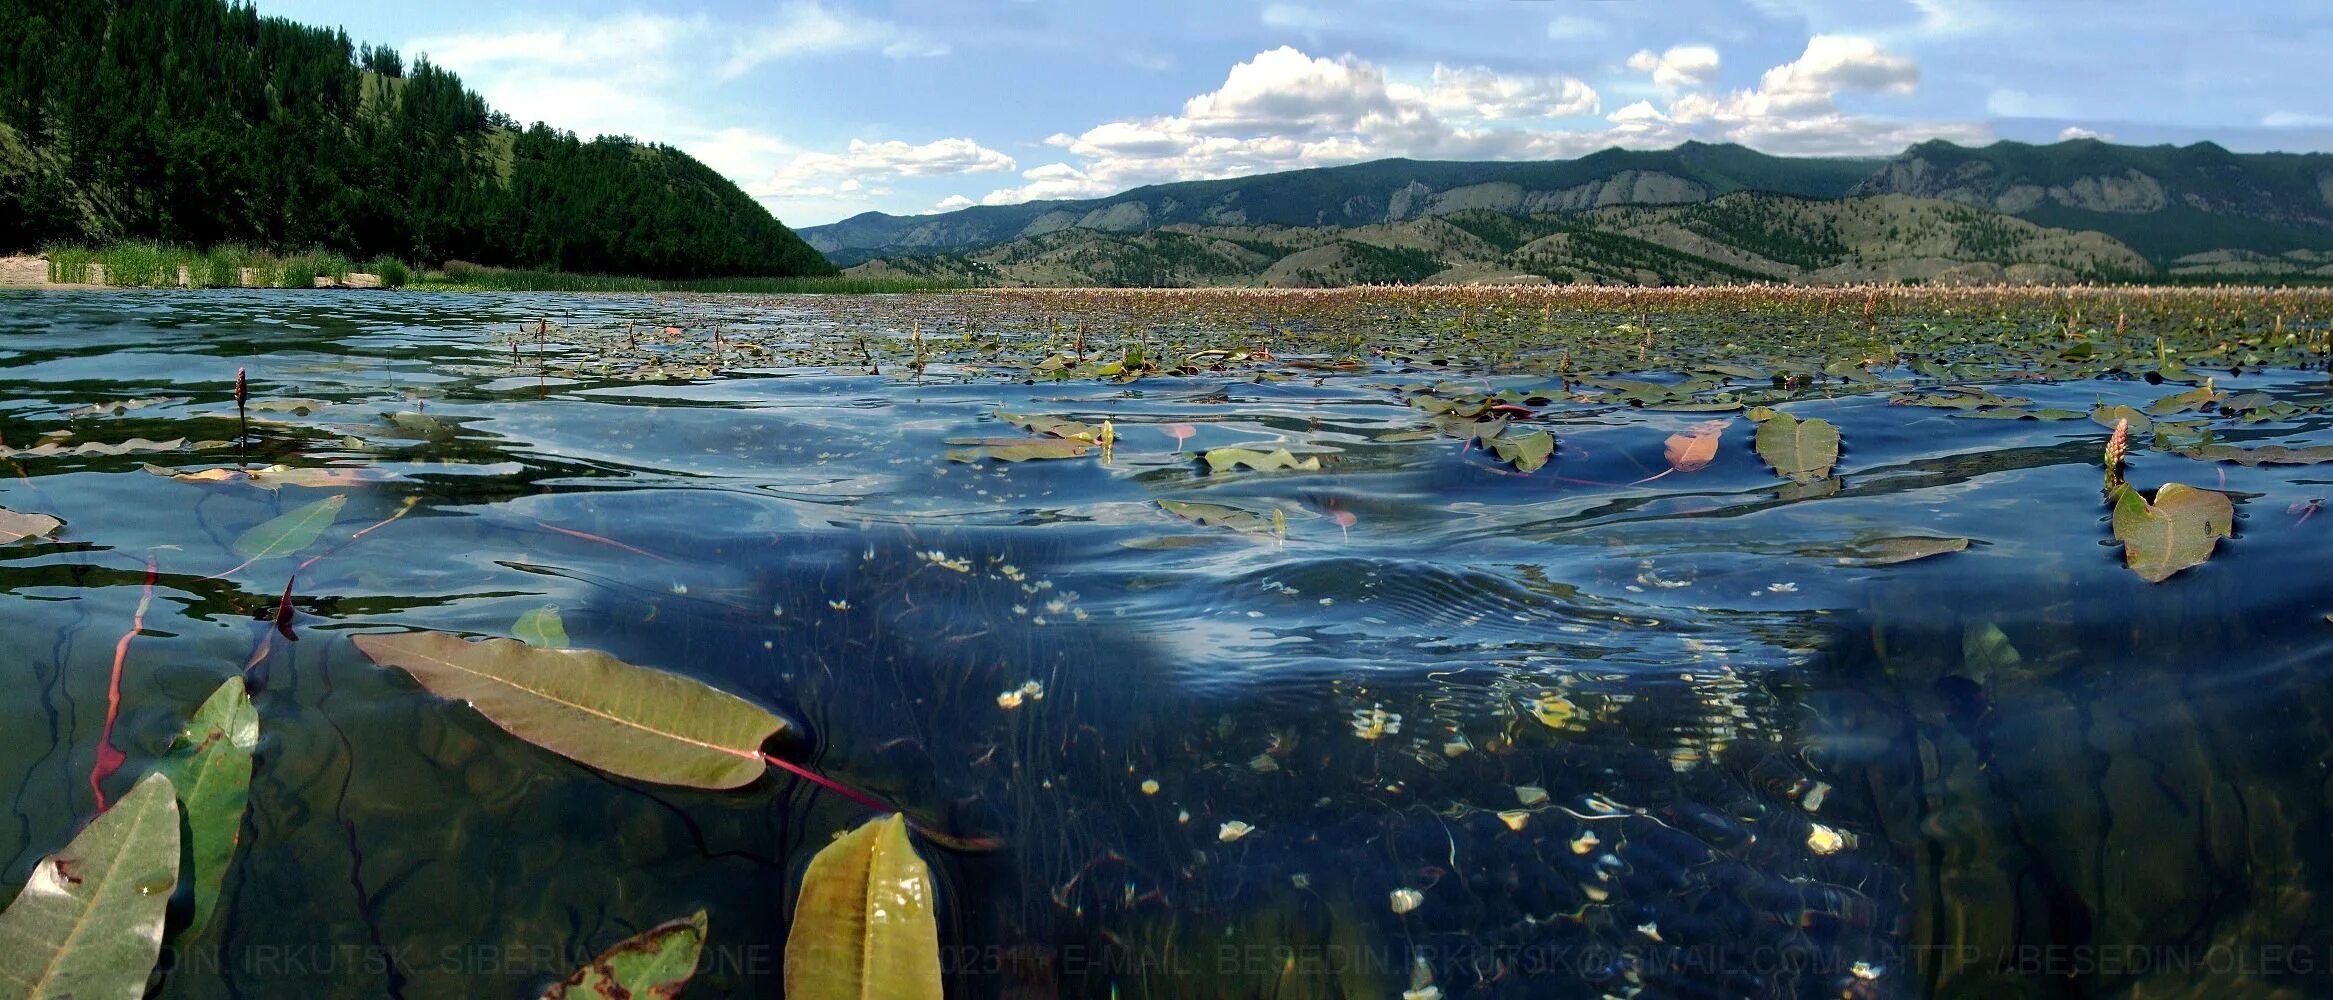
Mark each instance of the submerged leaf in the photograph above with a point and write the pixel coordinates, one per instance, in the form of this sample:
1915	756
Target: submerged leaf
89	921
651	965
2179	529
1803	450
1026	451
591	707
1230	459
210	767
16	527
132	446
289	532
121	406
1897	549
1218	515
541	628
2272	454
1060	427
278	476
2108	416
864	924
1694	448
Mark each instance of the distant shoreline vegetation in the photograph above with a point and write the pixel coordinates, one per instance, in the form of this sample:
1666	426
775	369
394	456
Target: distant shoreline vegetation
133	264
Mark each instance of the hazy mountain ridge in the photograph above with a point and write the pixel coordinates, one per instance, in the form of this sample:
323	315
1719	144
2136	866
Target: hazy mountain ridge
2149	212
1741	237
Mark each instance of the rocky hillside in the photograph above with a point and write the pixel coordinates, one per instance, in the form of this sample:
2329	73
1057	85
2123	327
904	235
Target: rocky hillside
1741	237
1361	194
2197	212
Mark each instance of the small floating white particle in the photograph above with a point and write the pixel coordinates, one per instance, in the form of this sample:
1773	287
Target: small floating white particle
1824	840
1585	842
1150	786
1033	689
1866	971
1530	795
1233	831
1650	930
1814	798
1405	900
839	605
1782	588
1516	819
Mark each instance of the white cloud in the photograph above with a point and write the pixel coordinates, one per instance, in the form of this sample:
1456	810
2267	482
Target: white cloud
1681	66
952	203
810	174
808	27
1294	17
2295	119
1793	108
2078	132
1481	93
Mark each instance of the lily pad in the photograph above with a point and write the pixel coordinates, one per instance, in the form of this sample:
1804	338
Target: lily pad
651	965
1527	450
1692	449
209	765
2181	402
1801	450
1221	460
89	921
2175	531
591	707
2272	454
865	924
2108	416
1060	427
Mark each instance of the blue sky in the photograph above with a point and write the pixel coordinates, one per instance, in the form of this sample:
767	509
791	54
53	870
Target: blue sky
827	108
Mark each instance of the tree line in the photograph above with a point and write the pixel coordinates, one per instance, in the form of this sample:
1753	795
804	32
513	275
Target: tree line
200	122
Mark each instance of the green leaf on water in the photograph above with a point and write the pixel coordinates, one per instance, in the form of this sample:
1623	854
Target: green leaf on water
1060	427
2180	402
89	921
209	765
2179	529
15	527
1801	450
2271	454
1039	449
1396	437
1216	515
1220	460
865	923
591	707
651	965
2107	416
291	531
1527	450
541	628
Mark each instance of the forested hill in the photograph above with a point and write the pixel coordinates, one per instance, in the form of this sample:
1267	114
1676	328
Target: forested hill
199	122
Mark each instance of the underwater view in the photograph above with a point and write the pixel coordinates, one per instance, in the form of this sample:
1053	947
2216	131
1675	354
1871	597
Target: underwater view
1368	643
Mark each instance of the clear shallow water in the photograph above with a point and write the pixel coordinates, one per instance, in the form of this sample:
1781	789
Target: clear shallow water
2017	769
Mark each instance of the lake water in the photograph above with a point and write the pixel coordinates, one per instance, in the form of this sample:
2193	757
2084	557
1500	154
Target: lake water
1619	732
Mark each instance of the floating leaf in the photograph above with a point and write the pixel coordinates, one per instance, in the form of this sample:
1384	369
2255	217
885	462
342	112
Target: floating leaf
1165	542
2273	454
1760	414
1060	427
864	924
2108	416
277	476
289	532
651	965
16	527
541	628
2181	402
1219	516
209	765
1027	451
1527	450
2177	530
591	707
89	921
1396	437
1230	459
1694	448
1897	549
130	447
299	407
1803	450
118	407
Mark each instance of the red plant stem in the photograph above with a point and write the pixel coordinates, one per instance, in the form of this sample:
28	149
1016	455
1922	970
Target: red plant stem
829	784
602	539
109	759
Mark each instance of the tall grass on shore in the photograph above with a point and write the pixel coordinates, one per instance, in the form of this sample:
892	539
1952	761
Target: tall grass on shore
133	264
458	276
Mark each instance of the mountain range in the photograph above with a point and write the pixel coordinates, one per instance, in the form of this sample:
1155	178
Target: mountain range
2075	210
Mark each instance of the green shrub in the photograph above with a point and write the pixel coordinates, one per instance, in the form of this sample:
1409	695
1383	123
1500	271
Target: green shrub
69	265
298	272
393	272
